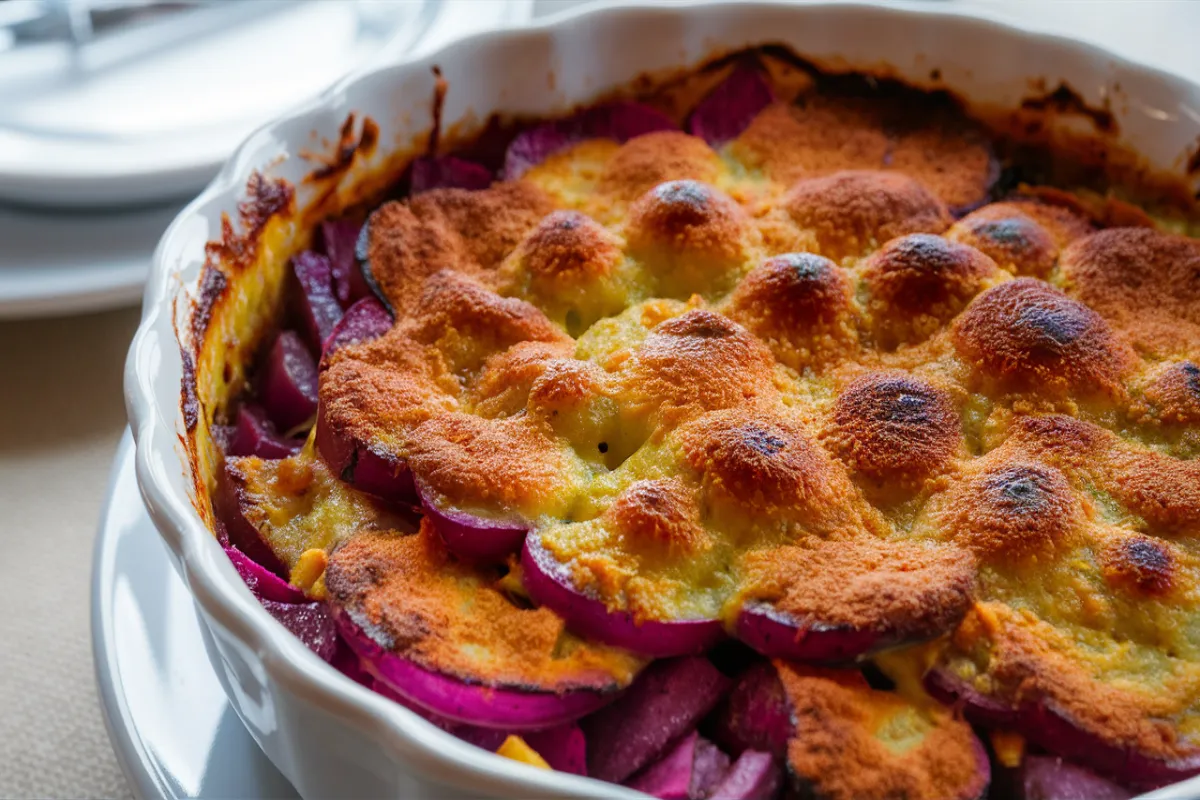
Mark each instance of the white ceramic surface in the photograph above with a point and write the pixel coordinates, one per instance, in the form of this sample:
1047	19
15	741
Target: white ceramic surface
172	728
326	734
67	262
116	129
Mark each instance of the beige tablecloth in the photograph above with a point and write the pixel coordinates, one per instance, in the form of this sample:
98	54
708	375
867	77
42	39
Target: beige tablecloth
61	414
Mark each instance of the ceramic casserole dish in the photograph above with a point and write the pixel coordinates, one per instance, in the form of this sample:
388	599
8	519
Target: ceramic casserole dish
327	734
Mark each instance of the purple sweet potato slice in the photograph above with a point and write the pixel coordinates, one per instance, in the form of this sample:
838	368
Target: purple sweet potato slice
708	769
252	434
665	704
289	382
669	778
365	320
319	306
264	584
851	740
619	121
689	771
443	635
339	238
471	536
564	747
1043	723
1049	778
311	622
755	715
549	584
731	106
754	776
448	172
229	504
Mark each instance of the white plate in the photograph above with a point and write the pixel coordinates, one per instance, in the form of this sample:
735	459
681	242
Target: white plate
66	263
158	125
69	263
171	726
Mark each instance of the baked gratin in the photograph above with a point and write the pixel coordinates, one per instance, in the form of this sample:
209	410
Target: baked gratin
775	433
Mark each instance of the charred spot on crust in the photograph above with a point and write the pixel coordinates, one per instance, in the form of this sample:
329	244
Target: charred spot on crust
1011	238
1141	564
660	514
920	279
902	592
758	460
1030	333
1145	282
794	290
646	161
848	213
565	248
895	426
699	325
1012	510
691	235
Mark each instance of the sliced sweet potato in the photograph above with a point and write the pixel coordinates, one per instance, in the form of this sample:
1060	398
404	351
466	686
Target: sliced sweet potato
665	704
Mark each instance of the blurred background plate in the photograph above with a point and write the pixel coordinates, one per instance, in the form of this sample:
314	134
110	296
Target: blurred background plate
77	149
147	107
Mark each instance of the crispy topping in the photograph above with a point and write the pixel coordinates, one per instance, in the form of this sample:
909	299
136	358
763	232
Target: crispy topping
892	426
1145	282
1140	564
920	281
901	592
447	616
646	161
852	741
849	213
1028	333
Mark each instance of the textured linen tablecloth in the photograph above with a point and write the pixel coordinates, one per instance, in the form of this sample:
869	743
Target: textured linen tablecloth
61	415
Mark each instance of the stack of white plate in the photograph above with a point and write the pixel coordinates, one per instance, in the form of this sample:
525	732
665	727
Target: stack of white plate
101	144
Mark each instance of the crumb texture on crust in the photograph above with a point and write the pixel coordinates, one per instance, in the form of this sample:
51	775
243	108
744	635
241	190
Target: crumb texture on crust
852	741
408	595
814	368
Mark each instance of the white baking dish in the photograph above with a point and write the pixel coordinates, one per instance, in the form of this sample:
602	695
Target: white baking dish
328	735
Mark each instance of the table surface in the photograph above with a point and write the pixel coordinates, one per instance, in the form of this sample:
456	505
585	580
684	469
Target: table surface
61	415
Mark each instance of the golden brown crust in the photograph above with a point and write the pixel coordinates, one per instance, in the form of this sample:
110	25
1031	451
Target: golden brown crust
851	741
877	428
895	589
456	229
1022	236
801	305
1027	334
846	214
646	161
445	616
1174	394
660	515
699	361
1145	282
892	426
691	236
1140	565
918	282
